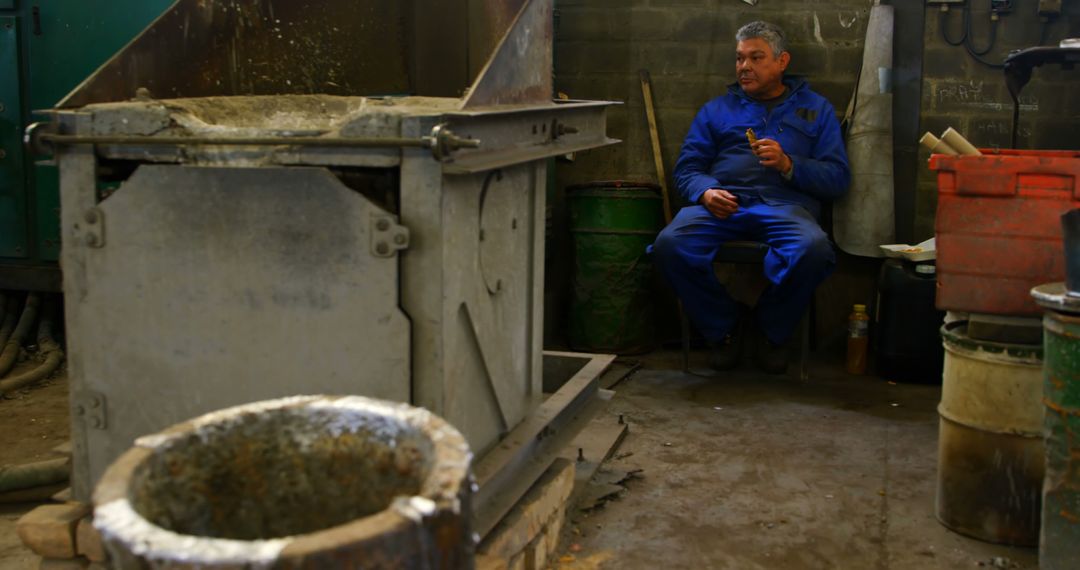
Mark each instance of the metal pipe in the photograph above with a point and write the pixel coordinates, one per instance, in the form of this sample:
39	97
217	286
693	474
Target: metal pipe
11	347
48	346
9	320
29	475
423	142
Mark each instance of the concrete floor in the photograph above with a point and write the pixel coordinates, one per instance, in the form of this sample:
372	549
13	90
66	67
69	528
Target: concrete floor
743	471
748	471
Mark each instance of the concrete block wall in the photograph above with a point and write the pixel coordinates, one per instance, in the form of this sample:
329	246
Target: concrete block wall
688	46
972	98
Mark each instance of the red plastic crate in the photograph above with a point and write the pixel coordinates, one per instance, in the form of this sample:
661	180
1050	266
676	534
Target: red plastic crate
999	227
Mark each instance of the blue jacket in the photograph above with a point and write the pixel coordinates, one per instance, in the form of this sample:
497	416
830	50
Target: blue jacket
716	153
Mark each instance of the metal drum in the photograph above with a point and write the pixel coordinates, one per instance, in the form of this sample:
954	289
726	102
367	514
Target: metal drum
301	482
611	309
1059	543
990	447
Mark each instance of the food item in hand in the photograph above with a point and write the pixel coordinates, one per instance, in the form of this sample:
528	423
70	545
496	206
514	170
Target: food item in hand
750	136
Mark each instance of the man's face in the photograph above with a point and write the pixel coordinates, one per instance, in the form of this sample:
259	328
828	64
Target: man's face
758	72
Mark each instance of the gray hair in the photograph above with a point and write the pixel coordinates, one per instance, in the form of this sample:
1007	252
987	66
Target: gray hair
771	33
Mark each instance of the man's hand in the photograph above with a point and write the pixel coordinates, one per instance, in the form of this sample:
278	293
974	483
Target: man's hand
772	155
720	203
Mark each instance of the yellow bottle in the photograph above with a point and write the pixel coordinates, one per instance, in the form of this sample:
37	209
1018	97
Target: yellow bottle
858	340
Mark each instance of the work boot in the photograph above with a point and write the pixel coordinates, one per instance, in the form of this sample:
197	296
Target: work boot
724	354
772	358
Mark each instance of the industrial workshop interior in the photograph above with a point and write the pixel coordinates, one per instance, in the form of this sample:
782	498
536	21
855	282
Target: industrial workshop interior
539	284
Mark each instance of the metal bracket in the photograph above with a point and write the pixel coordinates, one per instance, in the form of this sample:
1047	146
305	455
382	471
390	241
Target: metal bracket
90	406
92	228
387	236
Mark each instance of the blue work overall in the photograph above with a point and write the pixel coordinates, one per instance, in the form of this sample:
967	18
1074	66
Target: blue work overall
780	212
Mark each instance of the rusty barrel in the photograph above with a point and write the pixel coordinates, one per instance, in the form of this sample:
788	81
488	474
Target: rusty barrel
307	481
990	448
1059	541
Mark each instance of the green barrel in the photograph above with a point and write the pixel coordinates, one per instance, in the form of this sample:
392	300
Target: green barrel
1059	542
611	309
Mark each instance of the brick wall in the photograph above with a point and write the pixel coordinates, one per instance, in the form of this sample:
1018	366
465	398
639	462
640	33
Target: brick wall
688	47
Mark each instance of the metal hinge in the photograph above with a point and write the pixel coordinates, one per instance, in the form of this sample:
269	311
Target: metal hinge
90	406
91	229
387	236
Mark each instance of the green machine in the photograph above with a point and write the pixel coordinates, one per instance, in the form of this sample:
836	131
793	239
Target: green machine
47	47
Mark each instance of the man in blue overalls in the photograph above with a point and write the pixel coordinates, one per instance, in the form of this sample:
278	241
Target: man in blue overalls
768	191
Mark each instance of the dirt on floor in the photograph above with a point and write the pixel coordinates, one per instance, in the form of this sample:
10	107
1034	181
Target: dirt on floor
740	471
747	471
33	421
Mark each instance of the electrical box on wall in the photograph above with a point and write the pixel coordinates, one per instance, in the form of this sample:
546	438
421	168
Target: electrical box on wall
1001	6
1049	7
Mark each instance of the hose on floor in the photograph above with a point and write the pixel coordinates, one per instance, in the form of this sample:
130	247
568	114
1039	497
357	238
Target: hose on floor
47	345
14	342
8	323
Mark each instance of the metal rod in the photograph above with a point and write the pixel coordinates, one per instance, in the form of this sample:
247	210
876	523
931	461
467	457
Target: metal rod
387	142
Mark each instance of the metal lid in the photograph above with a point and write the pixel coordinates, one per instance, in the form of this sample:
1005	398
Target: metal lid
1056	297
618	184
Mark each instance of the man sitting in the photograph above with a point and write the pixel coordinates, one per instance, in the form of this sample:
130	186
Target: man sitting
756	164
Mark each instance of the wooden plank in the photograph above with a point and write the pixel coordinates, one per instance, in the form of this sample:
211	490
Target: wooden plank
654	136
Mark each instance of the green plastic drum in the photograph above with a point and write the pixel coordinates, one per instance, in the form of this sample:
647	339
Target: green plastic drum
1059	542
611	308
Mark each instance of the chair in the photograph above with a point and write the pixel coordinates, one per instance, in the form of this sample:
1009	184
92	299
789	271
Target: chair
748	252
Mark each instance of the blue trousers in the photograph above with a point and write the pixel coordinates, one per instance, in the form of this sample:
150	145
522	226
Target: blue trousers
800	257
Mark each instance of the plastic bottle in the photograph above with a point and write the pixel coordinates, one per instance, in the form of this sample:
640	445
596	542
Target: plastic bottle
858	340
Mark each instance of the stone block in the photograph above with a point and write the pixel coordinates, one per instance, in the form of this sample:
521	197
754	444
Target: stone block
527	519
945	62
484	562
49	530
810	60
706	25
536	554
63	564
88	541
1057	134
969	96
841	26
582	24
594	56
681	93
845	62
668	58
650	25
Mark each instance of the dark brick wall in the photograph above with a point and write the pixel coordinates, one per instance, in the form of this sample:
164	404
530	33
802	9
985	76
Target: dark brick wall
688	47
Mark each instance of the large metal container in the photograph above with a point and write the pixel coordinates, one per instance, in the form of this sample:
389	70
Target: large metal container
612	223
990	447
247	215
302	482
1059	541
